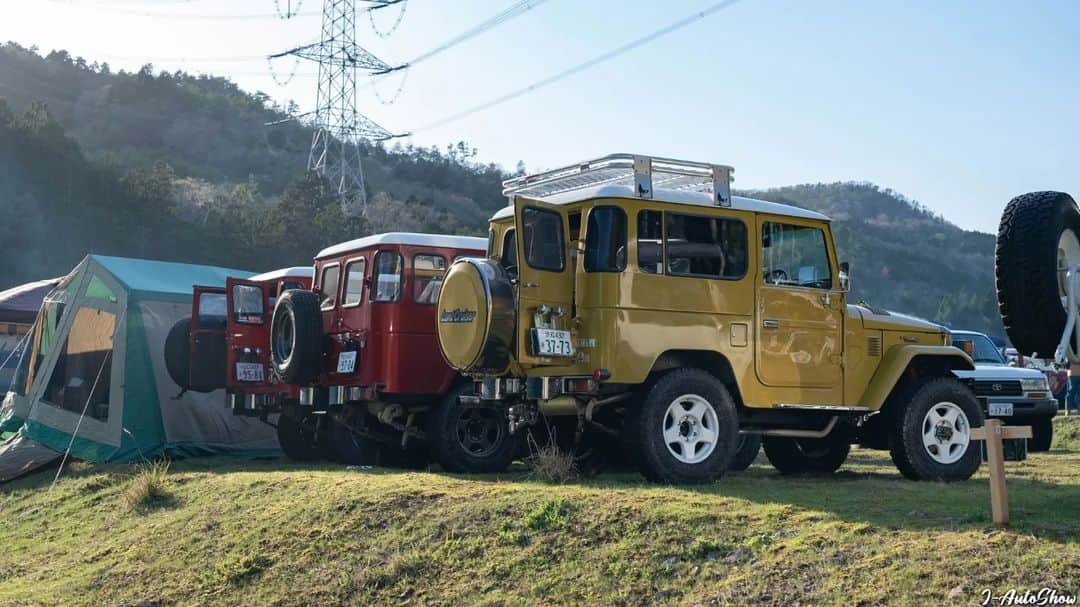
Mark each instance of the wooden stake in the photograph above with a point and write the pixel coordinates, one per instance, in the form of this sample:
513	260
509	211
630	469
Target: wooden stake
994	432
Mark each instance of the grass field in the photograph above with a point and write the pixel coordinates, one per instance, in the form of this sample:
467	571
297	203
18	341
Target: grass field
223	532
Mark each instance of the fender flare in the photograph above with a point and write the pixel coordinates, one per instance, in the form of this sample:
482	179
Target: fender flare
898	359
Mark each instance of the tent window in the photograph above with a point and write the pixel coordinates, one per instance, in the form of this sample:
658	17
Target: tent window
44	338
97	289
84	361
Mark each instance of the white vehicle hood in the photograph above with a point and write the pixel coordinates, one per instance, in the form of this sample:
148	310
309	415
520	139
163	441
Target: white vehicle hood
985	371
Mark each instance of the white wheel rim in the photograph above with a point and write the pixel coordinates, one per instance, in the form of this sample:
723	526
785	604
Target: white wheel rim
690	429
946	432
1068	257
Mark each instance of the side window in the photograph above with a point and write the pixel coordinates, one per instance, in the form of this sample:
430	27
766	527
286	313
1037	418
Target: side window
795	256
710	247
428	271
542	234
650	251
247	304
387	277
509	250
81	378
354	283
328	287
605	240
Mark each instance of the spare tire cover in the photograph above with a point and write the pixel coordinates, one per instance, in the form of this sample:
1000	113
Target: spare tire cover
476	317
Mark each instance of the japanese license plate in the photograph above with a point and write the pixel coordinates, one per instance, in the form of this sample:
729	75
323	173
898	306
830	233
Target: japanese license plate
551	342
1001	409
346	362
249	372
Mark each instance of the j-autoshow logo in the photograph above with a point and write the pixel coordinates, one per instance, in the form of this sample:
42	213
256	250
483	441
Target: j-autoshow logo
457	315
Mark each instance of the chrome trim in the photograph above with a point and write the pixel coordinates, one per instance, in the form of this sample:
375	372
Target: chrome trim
858	409
336	395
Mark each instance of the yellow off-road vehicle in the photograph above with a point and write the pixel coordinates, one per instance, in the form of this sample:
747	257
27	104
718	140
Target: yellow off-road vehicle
635	299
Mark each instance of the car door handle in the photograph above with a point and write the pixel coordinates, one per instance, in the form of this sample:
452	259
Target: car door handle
770	323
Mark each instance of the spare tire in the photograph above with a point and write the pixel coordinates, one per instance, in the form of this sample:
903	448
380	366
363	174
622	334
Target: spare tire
178	352
476	316
1038	240
296	339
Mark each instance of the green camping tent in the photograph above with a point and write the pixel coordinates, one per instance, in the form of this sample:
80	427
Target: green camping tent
96	371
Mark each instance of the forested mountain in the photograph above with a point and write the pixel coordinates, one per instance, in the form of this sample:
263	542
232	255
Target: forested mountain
181	167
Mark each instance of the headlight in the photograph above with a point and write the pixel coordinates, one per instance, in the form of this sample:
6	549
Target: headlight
1035	384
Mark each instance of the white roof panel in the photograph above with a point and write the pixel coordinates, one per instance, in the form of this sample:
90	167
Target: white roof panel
296	271
738	203
406	238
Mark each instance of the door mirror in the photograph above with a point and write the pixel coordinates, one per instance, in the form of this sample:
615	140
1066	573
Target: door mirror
845	277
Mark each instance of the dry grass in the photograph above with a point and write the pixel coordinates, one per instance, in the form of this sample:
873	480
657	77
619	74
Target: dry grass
147	486
551	464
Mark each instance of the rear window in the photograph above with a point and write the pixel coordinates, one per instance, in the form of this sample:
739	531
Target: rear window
605	240
508	258
386	277
328	287
247	304
428	271
542	235
354	283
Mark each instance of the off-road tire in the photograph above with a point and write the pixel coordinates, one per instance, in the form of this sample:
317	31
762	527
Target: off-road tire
1042	434
298	438
806	455
746	452
442	426
905	441
297	311
178	352
346	437
1026	269
643	431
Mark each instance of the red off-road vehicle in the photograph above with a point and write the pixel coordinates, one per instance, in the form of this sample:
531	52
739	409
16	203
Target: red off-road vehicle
361	346
226	344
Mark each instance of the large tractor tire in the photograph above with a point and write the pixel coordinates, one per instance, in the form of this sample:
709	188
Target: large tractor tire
296	338
471	439
685	430
931	433
476	317
1038	240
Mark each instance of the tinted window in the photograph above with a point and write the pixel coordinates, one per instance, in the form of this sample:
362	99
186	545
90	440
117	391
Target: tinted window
650	251
387	277
711	247
795	256
354	282
509	250
542	232
247	304
428	271
328	288
605	240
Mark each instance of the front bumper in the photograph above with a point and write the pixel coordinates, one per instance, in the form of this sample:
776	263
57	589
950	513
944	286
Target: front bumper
1024	407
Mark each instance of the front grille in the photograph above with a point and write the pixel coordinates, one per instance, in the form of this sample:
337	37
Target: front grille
997	388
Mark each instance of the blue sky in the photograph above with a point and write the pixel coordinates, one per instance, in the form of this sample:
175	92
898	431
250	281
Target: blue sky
959	105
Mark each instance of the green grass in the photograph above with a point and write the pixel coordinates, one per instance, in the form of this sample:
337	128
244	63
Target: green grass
278	533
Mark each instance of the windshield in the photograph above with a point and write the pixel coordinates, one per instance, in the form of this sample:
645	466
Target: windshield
985	350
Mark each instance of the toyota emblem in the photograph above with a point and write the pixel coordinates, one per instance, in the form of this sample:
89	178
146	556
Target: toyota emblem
996	387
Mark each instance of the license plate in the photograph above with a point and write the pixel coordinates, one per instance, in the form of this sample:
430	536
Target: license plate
346	362
551	342
1001	409
249	372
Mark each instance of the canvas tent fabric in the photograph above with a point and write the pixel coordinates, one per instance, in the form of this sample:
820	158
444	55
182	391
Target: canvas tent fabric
20	304
95	375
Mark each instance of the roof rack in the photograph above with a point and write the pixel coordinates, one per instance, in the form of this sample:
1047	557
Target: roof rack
642	173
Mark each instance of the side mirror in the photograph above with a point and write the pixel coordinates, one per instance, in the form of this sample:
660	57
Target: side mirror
845	277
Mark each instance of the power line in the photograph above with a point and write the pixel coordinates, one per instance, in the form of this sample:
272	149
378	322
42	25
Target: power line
581	66
377	4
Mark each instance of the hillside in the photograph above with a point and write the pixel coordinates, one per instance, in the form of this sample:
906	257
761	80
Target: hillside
175	166
272	532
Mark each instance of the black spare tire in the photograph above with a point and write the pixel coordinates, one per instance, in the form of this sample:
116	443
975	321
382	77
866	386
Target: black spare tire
1037	241
207	370
296	338
178	352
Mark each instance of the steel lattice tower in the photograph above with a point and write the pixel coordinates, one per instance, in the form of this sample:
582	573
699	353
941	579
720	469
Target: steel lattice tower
339	128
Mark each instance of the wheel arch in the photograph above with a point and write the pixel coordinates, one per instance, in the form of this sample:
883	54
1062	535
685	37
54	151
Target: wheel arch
714	362
904	365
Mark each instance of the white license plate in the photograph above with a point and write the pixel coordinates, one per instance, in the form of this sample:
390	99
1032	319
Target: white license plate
346	362
249	372
550	342
1001	409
